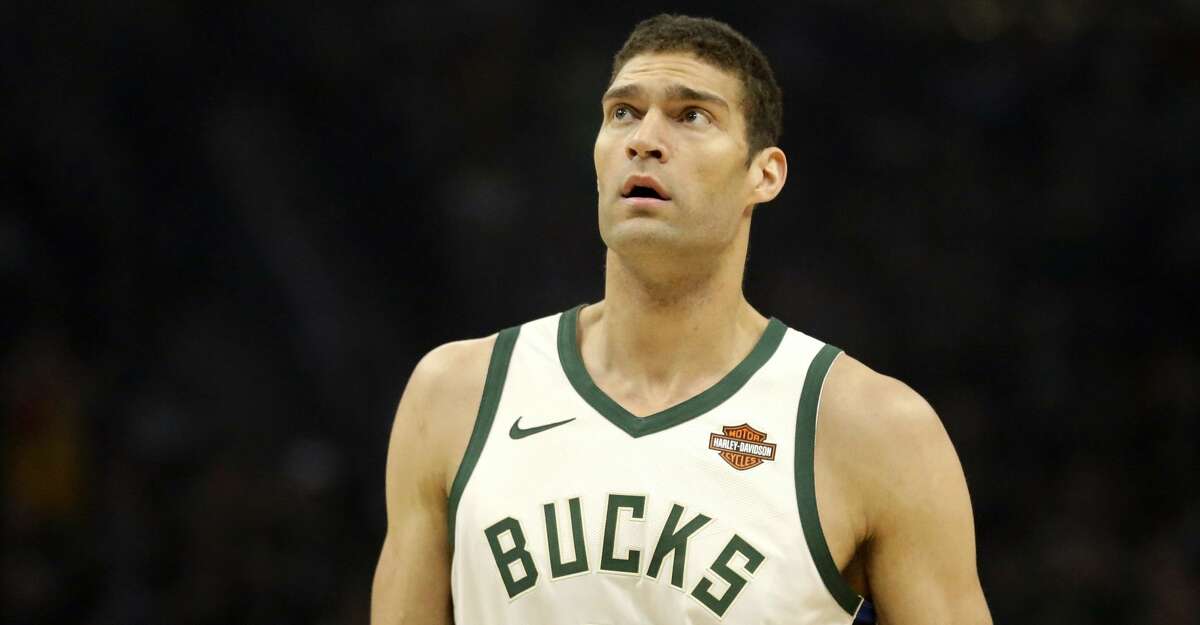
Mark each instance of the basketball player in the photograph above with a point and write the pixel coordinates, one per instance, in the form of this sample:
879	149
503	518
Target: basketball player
670	455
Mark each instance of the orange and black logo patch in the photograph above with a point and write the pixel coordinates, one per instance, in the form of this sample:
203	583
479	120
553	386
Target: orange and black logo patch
742	446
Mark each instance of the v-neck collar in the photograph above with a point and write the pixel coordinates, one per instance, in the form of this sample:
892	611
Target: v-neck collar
581	380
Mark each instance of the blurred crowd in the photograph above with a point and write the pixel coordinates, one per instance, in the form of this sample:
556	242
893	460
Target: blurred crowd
227	235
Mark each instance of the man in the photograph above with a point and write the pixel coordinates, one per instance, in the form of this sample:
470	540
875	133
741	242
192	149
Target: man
656	457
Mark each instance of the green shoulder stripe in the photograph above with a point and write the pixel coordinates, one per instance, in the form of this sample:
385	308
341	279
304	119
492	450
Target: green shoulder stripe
492	388
806	492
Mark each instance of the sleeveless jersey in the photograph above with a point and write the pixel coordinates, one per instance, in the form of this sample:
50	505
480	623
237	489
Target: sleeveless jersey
567	509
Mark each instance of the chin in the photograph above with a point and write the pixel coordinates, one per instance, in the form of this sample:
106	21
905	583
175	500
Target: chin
640	235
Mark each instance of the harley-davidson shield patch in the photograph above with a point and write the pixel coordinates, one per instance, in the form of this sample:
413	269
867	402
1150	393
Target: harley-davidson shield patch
742	446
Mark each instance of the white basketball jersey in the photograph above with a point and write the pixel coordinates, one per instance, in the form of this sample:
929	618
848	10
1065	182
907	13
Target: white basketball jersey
569	510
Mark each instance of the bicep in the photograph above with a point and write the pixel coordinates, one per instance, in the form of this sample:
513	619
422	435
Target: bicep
920	562
412	577
433	420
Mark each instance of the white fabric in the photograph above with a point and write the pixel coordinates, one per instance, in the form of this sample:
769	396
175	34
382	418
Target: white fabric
591	458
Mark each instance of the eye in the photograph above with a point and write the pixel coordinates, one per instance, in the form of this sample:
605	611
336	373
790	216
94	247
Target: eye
622	113
696	117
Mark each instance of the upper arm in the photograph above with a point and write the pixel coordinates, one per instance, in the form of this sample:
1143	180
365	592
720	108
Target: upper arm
431	427
918	547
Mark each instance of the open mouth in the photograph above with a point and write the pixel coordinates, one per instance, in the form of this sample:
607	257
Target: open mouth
646	192
644	187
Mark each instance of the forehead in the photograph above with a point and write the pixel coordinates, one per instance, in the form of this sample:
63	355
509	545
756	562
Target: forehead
651	70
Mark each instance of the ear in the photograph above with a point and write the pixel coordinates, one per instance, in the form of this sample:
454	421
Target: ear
769	171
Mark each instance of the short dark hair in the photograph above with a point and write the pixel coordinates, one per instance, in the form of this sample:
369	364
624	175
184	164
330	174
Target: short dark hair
719	44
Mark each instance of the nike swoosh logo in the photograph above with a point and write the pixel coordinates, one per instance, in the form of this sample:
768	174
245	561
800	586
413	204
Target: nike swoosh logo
516	432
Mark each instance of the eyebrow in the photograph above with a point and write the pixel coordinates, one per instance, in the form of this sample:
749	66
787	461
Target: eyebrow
674	91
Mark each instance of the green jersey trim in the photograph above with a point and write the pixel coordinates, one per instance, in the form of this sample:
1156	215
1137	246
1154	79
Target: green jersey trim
493	386
806	491
581	380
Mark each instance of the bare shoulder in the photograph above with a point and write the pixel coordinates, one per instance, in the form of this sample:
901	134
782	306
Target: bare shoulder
865	414
899	482
440	401
875	408
447	367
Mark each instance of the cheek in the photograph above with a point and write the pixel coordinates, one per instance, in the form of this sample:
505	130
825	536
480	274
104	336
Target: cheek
596	159
601	156
722	176
720	191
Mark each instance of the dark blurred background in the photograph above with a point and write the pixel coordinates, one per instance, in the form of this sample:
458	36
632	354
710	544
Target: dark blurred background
228	234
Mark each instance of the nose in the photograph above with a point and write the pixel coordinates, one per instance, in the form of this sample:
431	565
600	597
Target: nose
647	141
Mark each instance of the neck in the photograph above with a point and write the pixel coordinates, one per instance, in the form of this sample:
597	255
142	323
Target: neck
667	330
